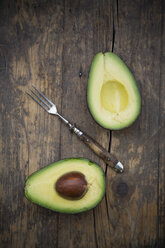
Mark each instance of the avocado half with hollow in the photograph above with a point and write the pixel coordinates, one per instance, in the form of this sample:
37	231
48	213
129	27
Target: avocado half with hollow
69	186
113	96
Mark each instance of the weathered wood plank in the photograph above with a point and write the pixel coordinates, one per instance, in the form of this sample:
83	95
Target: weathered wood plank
32	37
133	196
161	134
36	55
80	20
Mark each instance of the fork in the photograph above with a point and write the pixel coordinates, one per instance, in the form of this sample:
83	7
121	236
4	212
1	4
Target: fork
51	108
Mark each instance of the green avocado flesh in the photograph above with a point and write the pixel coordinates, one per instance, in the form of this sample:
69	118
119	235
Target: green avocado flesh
113	96
40	186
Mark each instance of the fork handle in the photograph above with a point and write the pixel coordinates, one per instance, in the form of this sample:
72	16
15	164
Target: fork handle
108	158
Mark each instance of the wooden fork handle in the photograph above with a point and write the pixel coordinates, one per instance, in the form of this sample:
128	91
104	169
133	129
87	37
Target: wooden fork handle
108	158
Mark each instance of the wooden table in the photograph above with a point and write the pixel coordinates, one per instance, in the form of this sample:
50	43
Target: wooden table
51	44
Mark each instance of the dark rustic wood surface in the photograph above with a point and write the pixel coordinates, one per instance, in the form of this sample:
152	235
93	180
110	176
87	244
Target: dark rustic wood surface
51	44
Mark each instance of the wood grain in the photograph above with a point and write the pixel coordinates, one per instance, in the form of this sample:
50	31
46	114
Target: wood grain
51	44
161	135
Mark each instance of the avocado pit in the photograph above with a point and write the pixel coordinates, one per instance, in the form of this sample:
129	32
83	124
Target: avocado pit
72	185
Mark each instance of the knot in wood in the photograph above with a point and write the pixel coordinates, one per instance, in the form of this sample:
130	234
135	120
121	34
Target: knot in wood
122	189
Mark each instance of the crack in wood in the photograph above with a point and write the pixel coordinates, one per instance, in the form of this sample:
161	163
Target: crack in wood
113	33
113	43
160	240
94	224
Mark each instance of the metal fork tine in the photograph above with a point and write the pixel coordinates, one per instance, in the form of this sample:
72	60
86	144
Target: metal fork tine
40	99
37	101
43	96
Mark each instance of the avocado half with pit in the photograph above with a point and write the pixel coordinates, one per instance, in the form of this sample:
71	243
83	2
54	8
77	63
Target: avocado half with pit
113	96
69	186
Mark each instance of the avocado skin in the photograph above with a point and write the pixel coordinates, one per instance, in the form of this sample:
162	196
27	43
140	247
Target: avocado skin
48	206
89	91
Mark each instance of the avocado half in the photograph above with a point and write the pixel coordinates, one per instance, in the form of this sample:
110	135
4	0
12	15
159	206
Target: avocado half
113	96
40	186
